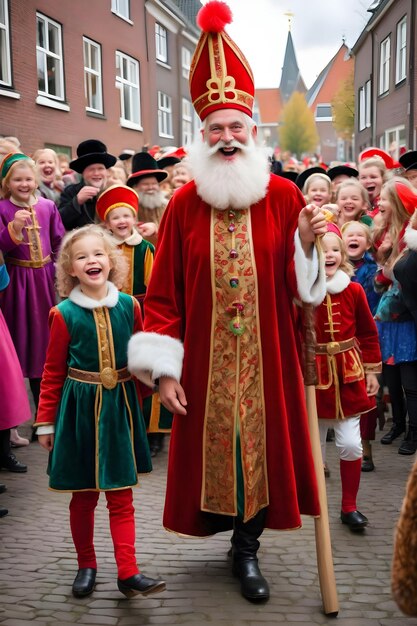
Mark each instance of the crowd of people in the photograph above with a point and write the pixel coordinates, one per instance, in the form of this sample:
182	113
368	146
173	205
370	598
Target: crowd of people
237	249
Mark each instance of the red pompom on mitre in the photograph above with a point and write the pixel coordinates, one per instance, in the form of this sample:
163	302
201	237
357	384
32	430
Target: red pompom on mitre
213	16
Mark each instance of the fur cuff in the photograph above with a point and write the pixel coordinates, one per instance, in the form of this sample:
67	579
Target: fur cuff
410	238
45	430
151	355
311	279
338	282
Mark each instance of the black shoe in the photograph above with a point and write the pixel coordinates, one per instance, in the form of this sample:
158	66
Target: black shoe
396	431
84	582
140	584
12	464
367	464
253	585
3	488
409	445
3	511
355	520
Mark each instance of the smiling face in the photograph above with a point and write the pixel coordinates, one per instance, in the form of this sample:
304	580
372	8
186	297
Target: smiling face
225	131
371	178
332	250
356	240
318	191
91	265
46	164
95	175
21	183
120	222
385	207
350	202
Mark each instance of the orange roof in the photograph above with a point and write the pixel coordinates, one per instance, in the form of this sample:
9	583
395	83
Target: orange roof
331	78
269	105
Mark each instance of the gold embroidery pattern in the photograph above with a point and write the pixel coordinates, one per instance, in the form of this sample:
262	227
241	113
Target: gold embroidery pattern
34	240
234	396
128	282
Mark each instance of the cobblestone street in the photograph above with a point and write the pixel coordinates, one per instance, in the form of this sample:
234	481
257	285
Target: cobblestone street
38	560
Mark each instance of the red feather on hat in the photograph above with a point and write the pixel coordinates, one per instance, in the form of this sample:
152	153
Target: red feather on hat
213	16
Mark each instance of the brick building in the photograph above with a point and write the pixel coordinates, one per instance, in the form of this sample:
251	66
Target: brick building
70	72
386	78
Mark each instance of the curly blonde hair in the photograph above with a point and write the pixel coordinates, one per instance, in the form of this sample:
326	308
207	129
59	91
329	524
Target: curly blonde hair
119	266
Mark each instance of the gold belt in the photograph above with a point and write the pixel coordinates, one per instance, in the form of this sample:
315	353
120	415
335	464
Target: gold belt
108	377
22	263
335	347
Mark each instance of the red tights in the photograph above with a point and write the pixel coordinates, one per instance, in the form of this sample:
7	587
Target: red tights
122	528
350	474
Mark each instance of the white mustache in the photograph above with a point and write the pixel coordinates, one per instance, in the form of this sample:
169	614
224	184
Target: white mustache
226	144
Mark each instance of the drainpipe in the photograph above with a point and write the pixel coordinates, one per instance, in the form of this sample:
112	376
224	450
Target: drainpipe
411	131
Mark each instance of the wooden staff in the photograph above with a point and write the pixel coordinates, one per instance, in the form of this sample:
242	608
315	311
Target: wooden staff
321	524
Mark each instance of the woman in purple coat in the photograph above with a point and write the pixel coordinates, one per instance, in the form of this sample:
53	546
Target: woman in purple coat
30	235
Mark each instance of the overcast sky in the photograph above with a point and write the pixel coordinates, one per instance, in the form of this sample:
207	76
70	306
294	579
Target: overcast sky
260	28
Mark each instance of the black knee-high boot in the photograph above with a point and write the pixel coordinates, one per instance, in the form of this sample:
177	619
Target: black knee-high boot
245	546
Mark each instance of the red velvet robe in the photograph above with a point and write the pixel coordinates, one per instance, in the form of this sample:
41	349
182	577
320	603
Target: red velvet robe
269	417
341	388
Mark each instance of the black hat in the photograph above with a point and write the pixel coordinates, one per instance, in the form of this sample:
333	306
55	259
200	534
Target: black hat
89	152
409	160
126	154
289	175
302	177
143	164
167	161
342	170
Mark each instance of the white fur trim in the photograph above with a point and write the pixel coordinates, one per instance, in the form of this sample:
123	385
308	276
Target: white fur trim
338	282
45	430
311	279
410	238
151	355
78	297
134	239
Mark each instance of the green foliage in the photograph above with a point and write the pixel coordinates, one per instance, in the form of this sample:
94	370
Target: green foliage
343	105
297	128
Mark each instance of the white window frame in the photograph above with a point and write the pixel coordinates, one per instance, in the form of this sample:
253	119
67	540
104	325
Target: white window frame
165	115
5	50
185	62
187	122
121	8
90	72
129	85
392	136
58	56
384	65
401	53
161	43
329	118
365	106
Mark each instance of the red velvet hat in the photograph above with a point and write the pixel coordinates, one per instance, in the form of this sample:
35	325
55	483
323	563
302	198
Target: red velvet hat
407	196
114	197
387	158
220	76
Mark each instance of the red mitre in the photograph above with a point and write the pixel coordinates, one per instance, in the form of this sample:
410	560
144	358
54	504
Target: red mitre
220	76
114	197
387	158
407	196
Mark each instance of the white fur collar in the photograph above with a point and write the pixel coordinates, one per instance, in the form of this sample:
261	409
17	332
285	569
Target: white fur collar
338	282
410	238
78	297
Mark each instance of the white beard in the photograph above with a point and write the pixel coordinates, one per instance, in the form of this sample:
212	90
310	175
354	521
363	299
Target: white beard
235	184
155	200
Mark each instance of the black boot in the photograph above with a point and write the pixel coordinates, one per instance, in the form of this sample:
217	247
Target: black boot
245	546
84	582
409	445
140	584
395	431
